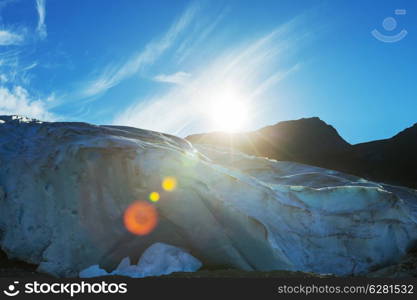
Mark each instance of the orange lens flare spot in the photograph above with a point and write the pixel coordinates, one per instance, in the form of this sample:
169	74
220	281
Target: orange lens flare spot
140	218
154	196
169	183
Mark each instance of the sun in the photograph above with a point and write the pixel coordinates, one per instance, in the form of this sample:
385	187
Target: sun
228	111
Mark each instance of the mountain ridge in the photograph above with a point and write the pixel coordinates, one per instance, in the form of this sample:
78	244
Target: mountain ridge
313	141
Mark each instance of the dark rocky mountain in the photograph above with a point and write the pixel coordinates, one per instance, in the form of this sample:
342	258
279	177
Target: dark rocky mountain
391	160
312	141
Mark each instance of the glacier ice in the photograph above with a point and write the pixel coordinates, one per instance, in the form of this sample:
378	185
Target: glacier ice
161	259
93	271
158	259
65	186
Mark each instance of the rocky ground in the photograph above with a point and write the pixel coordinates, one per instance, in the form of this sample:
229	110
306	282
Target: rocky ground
406	268
13	268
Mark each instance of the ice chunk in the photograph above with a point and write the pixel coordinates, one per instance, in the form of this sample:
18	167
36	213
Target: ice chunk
158	259
124	263
125	268
93	271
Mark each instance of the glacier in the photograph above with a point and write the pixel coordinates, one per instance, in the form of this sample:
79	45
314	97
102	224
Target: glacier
64	188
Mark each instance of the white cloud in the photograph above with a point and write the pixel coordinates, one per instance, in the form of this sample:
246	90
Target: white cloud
3	78
18	101
176	78
15	73
113	75
8	38
41	28
244	73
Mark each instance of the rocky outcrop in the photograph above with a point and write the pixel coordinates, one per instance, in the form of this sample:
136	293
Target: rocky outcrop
391	160
405	268
67	187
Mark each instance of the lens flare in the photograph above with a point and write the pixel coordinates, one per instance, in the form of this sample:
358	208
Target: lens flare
140	218
154	196
169	183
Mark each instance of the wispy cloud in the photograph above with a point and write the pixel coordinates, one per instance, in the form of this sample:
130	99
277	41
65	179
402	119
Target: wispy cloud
13	69
202	30
273	80
114	74
176	78
18	101
244	72
41	27
8	38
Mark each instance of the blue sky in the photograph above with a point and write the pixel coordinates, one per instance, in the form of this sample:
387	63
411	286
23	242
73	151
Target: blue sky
184	66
